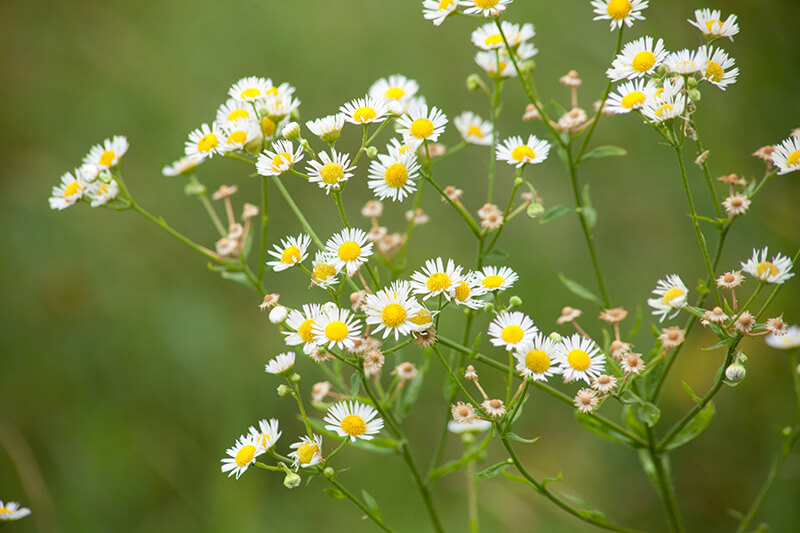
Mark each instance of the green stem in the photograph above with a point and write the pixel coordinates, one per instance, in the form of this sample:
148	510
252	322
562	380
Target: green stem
337	197
262	251
213	214
297	212
476	230
664	485
495	112
472	495
372	516
296	394
709	181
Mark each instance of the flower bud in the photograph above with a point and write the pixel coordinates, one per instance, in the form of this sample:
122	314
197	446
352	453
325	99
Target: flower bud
283	390
527	66
741	358
474	82
488	307
694	95
786	431
515	301
518	182
662	70
371	152
535	209
555	337
691	82
278	314
291	131
295	378
329	472
735	373
292	480
329	307
395	107
194	188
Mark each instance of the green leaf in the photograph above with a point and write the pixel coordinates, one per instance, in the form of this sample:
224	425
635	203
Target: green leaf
371	503
720	344
493	470
238	277
563	155
649	468
649	413
513	477
558	109
579	290
555	212
604	151
514	436
355	383
598	428
414	388
334	493
587	511
691	393
590	216
633	423
548	480
693	428
497	256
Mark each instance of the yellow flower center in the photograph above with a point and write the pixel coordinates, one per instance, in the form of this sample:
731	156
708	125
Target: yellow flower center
633	99
501	67
250	93
396	175
106	158
462	291
537	361
493	40
438	282
268	127
281	159
794	159
619	9
349	251
492	282
265	440
710	24
236	114
72	188
671	294
322	272
306	452
354	425
305	330
643	61
364	114
3	510
578	359
444	4
766	269
395	93
512	334
486	4
331	173
521	152
102	188
290	255
476	131
714	71
336	331
207	143
393	315
660	110
422	318
237	137
245	455
421	128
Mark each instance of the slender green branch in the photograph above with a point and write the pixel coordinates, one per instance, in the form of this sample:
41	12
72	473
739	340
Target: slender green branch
297	212
213	214
495	113
349	495
709	181
337	197
473	226
664	485
262	251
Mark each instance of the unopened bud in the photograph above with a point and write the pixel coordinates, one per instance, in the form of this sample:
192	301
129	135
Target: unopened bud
488	307
518	181
741	358
786	431
691	82
474	82
329	472
194	189
291	131
295	378
735	373
662	70
555	337
371	152
283	390
278	314
515	301
535	209
694	95
292	480
329	307
527	66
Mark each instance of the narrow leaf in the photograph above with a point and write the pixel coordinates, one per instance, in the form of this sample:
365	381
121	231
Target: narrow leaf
604	151
555	212
579	290
691	393
514	436
493	470
355	383
694	428
335	493
595	426
548	480
371	503
497	256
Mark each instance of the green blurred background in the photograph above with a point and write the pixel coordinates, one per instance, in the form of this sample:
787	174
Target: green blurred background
128	368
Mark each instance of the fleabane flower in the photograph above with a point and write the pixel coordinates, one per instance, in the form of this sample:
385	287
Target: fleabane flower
281	364
233	110
107	154
278	107
239	134
776	271
421	124
12	511
307	451
719	68
686	61
494	278
488	37
630	96
538	360
249	89
664	107
487	8
69	191
366	110
637	58
438	10
517	153
709	21
619	12
473	129
787	341
391	309
395	88
336	327
349	249
101	192
787	155
512	330
392	176
671	294
278	159
354	420
292	250
435	278
331	171
580	358
468	290
266	435
241	455
205	141
497	65
302	323
324	270
327	128
184	165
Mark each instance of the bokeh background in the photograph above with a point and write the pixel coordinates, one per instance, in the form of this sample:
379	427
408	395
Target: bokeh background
128	367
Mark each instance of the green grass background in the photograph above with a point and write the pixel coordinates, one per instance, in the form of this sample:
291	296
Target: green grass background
127	368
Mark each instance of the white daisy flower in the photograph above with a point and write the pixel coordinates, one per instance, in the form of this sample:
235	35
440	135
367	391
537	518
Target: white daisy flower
495	64
233	110
292	250
241	455
586	400
709	21
266	435
512	330
12	511
775	271
302	324
336	327
719	68
239	134
278	159
670	88
249	89
517	153
184	165
69	191
619	12
204	141
353	419
327	128
671	294
488	37
473	426
393	176
398	148
324	270
395	88
487	8
364	110
787	155
421	125
423	319
523	52
496	278
435	278
101	192
349	249
467	290
473	129
438	10
391	308
787	341
662	108
637	58
281	364
539	359
630	95
331	171
107	154
686	61
580	358
278	107
307	452
281	91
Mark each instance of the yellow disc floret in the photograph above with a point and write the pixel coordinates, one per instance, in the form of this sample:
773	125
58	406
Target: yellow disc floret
364	114
643	61
331	173
336	331
493	40
438	282
249	94
671	294
521	152
710	24
579	360
395	93
237	137
349	251
245	455
422	318
632	99
306	452
280	160
322	272
492	282
665	108
486	4
766	269
72	188
393	315
462	291
207	143
291	255
422	128
305	330
794	159
396	175
714	71
237	114
619	9
512	333
107	157
537	361
475	131
354	425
